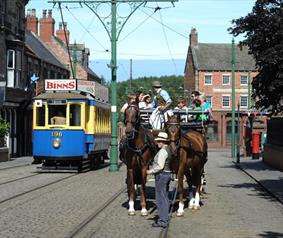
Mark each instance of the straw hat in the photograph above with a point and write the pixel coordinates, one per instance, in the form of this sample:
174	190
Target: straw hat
156	84
162	136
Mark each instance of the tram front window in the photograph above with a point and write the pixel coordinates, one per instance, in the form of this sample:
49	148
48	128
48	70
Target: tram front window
75	115
40	116
57	114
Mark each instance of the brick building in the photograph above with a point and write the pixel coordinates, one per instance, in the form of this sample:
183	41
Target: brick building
208	69
57	44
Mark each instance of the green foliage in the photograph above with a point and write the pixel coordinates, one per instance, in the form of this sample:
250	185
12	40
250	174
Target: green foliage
264	37
172	84
4	128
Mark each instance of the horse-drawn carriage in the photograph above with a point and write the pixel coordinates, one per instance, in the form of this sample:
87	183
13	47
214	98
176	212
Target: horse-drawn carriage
188	145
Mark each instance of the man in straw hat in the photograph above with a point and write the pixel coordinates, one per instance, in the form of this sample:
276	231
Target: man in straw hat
162	103
162	173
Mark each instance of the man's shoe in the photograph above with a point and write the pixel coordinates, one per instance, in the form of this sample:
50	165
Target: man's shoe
156	224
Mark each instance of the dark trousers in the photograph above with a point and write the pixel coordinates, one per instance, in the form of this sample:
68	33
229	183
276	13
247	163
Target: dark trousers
162	181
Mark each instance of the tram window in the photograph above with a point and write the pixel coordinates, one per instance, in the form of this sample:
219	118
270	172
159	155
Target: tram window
57	114
40	116
75	115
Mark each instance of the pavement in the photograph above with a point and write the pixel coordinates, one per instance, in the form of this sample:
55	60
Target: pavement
269	178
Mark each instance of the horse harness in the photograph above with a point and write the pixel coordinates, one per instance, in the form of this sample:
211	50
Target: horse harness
190	147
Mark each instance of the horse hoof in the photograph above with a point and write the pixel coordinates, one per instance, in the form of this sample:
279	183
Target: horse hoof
195	207
131	213
144	214
191	206
180	214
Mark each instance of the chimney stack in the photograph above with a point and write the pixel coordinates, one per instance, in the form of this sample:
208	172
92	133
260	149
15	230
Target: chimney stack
46	26
32	21
193	37
61	34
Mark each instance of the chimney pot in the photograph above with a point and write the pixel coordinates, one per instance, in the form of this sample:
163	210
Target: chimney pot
60	25
44	13
33	12
49	13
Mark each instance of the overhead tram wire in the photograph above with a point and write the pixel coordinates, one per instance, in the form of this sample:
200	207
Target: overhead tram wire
165	37
138	26
168	27
86	30
67	43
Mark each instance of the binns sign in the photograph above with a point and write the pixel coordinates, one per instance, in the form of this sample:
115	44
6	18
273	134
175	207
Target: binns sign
60	84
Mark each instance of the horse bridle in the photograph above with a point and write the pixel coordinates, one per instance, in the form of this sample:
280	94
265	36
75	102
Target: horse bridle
177	140
134	123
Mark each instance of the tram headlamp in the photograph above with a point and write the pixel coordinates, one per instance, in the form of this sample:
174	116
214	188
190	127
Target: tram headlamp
56	143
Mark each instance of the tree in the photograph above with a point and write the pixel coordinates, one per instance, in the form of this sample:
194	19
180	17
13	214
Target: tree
263	29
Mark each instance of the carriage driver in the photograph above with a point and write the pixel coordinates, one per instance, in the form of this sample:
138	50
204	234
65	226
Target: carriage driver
162	173
162	99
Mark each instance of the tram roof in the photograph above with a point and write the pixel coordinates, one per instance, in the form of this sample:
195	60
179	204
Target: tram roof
61	95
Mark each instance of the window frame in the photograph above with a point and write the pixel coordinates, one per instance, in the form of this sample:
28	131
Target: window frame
243	96
210	75
226	75
244	84
229	96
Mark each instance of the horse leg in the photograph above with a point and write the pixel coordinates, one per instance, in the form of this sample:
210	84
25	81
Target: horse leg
196	205
131	191
180	211
143	199
191	191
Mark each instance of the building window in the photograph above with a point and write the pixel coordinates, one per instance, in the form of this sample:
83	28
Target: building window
208	79
243	101
226	101
209	99
244	80
14	64
225	79
10	68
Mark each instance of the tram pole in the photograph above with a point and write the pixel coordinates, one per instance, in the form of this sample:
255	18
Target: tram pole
233	99
114	119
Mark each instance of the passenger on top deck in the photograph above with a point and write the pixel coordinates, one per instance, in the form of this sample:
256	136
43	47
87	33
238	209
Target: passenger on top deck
146	102
131	98
181	106
194	95
197	107
206	106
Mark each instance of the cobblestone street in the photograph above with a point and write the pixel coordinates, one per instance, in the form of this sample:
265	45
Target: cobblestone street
234	205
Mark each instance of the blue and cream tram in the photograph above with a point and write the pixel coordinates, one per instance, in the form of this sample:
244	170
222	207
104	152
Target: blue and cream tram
71	125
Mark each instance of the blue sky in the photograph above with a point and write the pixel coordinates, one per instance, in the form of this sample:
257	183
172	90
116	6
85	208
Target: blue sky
148	35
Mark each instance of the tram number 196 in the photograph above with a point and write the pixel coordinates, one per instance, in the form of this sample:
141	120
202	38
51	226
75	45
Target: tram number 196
57	133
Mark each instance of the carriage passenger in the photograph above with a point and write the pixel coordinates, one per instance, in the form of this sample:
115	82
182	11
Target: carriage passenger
145	104
162	173
181	106
206	106
131	98
194	95
197	107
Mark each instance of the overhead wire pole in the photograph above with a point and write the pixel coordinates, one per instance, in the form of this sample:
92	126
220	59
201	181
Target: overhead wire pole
113	33
233	99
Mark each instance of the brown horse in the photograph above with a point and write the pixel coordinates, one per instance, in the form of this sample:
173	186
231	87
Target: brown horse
138	151
190	149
